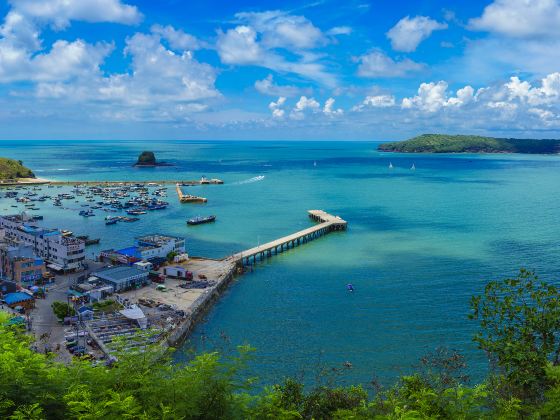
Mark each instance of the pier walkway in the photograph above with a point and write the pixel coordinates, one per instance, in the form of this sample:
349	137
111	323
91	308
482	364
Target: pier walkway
187	198
327	223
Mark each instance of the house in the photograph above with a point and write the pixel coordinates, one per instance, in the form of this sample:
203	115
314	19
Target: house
123	278
19	299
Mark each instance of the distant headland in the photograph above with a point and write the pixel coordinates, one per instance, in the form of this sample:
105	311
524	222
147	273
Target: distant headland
444	143
13	170
147	158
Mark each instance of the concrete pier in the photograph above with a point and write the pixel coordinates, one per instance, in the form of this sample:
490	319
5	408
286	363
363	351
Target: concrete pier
326	223
187	198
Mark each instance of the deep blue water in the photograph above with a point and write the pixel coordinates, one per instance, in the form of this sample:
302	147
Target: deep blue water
419	243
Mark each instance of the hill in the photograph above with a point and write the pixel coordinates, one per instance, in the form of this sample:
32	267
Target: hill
147	158
443	143
14	169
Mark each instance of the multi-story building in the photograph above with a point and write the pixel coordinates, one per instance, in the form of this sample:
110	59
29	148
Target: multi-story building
19	264
145	248
59	251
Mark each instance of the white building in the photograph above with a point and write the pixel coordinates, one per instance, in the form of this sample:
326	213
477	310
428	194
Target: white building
61	252
159	246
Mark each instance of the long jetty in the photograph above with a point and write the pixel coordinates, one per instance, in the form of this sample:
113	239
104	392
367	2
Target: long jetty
327	223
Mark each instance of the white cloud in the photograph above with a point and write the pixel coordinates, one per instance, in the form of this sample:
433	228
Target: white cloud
177	39
303	106
276	107
329	109
282	30
408	33
376	101
549	91
520	18
432	97
377	64
263	39
61	12
267	86
340	30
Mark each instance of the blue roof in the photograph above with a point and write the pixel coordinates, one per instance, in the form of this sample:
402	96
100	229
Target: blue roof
12	298
131	251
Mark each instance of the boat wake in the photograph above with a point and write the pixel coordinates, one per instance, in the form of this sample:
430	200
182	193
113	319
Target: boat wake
250	180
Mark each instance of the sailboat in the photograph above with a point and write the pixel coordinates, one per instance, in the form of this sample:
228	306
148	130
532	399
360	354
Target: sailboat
390	165
413	167
315	163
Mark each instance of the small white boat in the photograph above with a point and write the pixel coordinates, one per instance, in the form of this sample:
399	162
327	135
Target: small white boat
390	165
315	163
413	167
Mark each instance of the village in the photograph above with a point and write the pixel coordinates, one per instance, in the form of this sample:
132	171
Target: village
124	299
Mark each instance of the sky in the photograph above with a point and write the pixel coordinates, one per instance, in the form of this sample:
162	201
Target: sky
290	70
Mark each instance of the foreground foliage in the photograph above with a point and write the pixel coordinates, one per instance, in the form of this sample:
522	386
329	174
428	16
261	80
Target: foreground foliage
519	329
14	169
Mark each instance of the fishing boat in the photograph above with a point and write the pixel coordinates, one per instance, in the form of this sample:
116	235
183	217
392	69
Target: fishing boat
86	213
200	220
135	212
111	221
66	233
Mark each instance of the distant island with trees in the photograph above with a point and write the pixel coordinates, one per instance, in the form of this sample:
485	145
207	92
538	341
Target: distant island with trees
444	143
148	158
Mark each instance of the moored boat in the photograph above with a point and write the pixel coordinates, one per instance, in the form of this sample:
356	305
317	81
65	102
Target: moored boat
200	220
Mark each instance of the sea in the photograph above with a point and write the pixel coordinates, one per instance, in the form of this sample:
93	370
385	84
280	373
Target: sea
420	242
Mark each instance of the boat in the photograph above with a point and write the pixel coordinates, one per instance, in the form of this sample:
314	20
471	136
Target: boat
413	167
86	213
390	165
65	232
315	163
111	221
135	212
200	220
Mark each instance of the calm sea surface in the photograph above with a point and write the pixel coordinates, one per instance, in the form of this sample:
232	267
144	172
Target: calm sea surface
419	243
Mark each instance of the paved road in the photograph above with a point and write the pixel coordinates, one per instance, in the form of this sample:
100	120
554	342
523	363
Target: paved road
44	324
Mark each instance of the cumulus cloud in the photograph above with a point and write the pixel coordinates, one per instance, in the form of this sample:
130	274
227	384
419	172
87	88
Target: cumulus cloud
276	107
520	18
377	64
61	12
328	108
376	101
409	32
263	39
432	97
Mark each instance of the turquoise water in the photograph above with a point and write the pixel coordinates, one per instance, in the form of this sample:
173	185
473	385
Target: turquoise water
419	243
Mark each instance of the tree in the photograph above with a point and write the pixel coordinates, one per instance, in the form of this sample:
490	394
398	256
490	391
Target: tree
520	321
62	310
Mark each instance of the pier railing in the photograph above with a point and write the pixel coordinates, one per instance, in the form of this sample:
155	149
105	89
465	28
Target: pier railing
326	223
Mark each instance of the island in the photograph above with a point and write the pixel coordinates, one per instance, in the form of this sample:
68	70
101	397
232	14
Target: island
444	143
12	171
148	159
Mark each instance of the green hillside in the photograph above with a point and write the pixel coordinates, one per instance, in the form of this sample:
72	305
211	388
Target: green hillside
443	143
13	169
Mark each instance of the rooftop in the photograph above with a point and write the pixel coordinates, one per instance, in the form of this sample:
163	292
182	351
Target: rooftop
119	274
156	240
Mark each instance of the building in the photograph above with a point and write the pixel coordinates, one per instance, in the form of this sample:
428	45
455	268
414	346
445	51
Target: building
146	248
19	299
19	264
62	253
123	278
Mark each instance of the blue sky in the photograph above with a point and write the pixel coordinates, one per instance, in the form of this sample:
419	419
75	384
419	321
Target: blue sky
355	69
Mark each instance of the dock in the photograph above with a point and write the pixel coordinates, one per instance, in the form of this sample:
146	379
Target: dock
202	181
187	198
326	223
